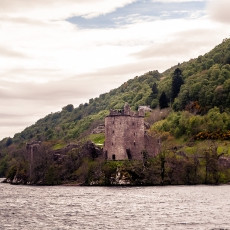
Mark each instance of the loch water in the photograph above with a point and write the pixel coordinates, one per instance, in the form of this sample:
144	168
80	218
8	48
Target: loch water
76	207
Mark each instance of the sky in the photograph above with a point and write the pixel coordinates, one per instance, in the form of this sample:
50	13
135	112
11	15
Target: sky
54	53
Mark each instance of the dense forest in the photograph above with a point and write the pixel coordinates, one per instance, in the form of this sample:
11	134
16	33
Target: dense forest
190	104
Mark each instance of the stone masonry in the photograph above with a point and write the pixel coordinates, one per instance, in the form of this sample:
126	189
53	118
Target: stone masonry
125	134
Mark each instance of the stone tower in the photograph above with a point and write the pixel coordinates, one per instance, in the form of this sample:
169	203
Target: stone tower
32	149
124	134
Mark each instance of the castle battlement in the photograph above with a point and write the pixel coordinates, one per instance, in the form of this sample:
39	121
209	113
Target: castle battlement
127	112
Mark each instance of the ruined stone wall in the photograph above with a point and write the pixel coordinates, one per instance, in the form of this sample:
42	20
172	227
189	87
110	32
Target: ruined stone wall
124	137
152	145
32	155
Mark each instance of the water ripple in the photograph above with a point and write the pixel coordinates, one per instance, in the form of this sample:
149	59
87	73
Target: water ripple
62	207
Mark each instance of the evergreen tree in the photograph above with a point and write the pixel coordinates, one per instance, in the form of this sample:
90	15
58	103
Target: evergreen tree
177	81
154	89
153	94
163	101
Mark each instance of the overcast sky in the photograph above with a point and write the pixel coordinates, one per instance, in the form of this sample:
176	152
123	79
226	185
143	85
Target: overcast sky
54	53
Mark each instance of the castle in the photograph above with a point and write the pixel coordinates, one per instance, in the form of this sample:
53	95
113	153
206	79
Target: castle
126	137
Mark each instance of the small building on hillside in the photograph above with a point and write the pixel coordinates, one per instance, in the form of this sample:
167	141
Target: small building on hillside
126	136
146	108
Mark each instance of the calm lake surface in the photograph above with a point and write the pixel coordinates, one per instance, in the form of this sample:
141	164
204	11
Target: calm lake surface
67	207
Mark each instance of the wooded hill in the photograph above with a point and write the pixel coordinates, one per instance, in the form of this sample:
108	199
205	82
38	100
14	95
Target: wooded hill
206	83
196	92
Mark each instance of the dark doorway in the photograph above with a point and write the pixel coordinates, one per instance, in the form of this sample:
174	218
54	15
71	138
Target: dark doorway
129	154
106	155
113	157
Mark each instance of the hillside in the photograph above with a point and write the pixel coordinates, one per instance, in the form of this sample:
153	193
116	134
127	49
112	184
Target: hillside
200	101
206	80
71	122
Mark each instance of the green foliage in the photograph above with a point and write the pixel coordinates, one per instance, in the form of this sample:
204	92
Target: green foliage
97	139
154	103
51	176
185	123
69	108
109	169
9	142
152	99
58	146
204	78
175	166
11	172
3	166
82	125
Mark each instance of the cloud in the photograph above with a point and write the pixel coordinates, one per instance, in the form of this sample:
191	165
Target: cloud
47	62
178	1
181	45
192	41
141	11
10	53
219	10
56	10
22	20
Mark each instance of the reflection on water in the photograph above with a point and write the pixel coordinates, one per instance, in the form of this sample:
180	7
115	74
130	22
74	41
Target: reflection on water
64	207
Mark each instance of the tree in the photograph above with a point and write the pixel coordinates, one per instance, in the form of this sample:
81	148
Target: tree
212	168
177	81
68	108
154	89
163	101
9	142
152	96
